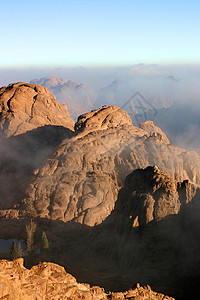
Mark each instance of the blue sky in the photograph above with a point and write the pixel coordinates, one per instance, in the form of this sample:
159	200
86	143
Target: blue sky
98	32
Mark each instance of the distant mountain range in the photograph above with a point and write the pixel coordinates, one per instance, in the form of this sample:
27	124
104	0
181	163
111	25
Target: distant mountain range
176	113
78	97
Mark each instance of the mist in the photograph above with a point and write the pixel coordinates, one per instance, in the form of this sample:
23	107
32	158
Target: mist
171	94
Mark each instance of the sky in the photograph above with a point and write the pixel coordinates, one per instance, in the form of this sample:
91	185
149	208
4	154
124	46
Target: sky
96	33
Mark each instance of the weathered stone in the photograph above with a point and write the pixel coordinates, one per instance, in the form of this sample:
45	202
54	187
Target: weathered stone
50	281
151	195
81	181
24	107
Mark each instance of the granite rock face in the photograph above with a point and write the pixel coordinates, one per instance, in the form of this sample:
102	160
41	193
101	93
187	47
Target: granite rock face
154	130
50	281
104	118
24	107
81	181
76	176
151	195
32	124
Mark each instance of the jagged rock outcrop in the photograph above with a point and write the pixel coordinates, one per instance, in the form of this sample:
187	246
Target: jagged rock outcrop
50	281
151	195
154	130
81	181
24	107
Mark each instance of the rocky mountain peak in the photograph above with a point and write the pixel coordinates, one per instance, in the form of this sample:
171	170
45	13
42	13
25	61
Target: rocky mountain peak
49	81
103	118
150	179
25	106
150	194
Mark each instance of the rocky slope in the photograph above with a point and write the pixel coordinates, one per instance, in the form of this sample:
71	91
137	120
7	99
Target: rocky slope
81	181
150	237
24	107
143	227
50	281
32	124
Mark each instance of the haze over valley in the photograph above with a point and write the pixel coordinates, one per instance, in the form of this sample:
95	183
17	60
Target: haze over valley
171	96
100	150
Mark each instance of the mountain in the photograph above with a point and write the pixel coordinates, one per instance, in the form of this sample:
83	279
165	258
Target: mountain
24	107
81	181
119	203
158	91
181	123
78	97
162	99
151	236
78	178
151	195
32	123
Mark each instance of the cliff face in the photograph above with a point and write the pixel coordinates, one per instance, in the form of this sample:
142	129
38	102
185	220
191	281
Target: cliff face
50	281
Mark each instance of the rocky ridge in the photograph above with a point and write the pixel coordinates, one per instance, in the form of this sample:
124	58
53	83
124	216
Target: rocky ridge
50	281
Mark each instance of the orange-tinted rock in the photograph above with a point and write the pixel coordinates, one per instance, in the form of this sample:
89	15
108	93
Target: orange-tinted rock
106	117
154	130
151	195
24	107
81	181
50	281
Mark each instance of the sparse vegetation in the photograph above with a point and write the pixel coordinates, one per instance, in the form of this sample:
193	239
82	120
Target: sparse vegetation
30	209
19	250
13	251
30	234
44	242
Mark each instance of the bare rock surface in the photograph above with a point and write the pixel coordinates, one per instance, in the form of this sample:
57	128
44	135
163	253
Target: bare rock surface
50	281
81	181
85	169
32	124
106	117
24	107
154	130
151	195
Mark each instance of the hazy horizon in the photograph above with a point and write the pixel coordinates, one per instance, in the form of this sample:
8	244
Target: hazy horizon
89	33
97	77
